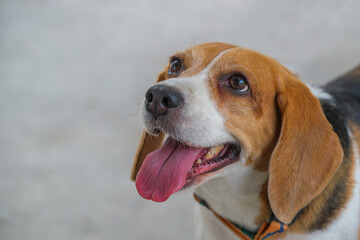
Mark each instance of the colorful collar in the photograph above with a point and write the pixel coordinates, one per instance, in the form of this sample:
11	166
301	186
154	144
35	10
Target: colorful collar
266	230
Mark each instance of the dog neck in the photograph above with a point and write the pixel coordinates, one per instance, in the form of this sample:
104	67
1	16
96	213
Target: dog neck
235	195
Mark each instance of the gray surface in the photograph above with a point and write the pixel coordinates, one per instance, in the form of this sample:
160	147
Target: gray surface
72	74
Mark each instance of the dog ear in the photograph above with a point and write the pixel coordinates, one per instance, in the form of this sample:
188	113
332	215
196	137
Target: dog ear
148	143
307	153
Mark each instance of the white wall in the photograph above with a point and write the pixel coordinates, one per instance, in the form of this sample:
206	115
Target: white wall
72	74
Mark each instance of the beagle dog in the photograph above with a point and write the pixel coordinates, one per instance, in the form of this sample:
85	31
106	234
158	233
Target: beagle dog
268	157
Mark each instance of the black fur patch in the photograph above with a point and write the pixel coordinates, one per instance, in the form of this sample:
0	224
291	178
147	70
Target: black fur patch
345	107
338	195
346	92
339	123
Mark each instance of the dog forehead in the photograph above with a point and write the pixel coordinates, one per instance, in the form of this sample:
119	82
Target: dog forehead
197	80
200	56
208	51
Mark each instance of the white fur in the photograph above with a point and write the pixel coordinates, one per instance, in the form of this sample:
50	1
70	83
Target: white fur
234	193
320	93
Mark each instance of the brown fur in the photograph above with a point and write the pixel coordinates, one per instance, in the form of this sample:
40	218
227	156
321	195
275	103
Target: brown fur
307	154
197	58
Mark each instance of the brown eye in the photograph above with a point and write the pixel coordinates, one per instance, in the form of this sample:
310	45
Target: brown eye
238	83
175	66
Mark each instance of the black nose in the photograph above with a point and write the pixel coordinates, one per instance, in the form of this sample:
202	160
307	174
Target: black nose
160	99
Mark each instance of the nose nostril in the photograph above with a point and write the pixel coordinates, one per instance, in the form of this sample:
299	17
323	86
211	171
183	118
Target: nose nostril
149	97
165	102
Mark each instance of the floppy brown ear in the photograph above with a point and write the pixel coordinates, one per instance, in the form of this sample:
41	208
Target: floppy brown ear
307	153
148	143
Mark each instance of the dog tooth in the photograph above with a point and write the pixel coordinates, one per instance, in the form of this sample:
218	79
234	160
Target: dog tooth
198	161
213	151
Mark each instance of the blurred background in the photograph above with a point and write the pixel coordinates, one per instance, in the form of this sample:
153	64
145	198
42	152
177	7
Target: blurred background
72	75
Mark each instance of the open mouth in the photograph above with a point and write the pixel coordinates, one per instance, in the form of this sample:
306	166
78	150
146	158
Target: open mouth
175	166
212	159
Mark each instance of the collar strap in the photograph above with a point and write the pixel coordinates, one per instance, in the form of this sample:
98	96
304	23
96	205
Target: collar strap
266	230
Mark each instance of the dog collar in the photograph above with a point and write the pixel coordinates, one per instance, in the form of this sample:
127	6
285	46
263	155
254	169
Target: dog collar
266	230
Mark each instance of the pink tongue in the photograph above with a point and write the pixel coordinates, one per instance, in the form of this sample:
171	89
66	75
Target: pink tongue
164	170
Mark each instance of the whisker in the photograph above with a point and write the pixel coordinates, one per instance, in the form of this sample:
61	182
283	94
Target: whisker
192	38
127	117
182	40
133	103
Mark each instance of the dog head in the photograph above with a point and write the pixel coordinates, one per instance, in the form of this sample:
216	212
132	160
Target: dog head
219	106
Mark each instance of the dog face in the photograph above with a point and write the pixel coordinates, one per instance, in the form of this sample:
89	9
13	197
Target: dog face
221	107
197	122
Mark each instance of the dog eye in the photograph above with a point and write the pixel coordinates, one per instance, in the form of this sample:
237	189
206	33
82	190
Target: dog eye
175	66
238	83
